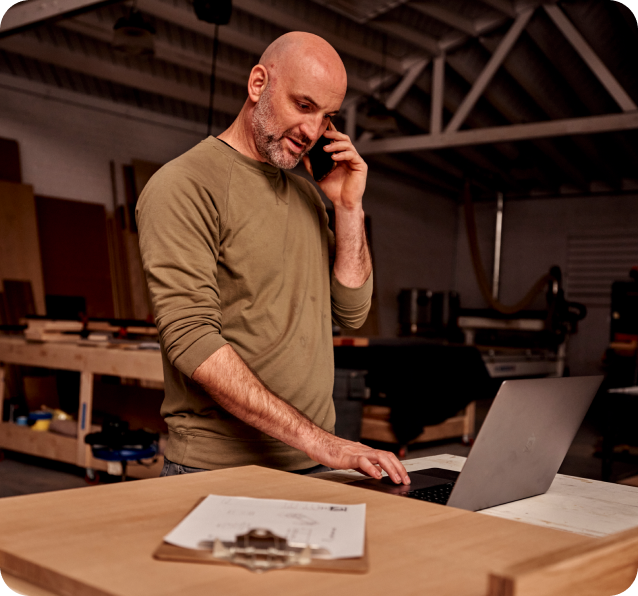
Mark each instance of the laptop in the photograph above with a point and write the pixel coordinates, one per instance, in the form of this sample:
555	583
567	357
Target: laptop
518	451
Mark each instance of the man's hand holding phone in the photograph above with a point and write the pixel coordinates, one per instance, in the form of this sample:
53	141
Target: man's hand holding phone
345	183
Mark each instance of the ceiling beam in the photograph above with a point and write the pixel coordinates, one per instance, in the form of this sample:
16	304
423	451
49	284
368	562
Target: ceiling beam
590	57
499	134
115	73
289	21
527	67
26	15
400	91
438	93
489	71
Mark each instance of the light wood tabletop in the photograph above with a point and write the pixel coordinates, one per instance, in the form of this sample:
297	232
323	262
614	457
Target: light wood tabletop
98	541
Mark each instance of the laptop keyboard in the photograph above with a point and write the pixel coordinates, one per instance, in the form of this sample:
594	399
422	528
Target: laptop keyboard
435	494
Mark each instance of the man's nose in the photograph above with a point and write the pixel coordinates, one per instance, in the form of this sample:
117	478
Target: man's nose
314	127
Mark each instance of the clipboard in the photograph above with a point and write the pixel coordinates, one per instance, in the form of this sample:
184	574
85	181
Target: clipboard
171	552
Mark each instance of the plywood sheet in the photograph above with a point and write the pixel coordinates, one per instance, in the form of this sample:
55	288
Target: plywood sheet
19	242
99	541
75	253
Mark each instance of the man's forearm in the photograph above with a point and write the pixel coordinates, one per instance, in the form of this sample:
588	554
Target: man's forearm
353	264
227	378
229	381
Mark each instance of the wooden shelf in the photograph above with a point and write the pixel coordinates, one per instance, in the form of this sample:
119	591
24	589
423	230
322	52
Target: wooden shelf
88	360
41	444
116	361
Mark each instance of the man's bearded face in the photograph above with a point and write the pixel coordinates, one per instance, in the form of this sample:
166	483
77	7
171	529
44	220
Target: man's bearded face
270	141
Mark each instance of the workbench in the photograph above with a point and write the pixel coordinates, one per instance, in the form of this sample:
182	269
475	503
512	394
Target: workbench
89	360
98	541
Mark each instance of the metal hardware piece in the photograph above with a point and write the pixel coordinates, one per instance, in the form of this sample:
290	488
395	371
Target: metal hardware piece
260	550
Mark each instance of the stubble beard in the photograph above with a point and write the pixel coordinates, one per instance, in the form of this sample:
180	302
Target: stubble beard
269	141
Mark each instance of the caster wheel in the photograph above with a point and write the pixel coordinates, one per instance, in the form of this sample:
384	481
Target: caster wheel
92	477
468	441
403	451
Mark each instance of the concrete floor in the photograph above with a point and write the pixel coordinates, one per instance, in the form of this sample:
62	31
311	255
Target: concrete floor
22	474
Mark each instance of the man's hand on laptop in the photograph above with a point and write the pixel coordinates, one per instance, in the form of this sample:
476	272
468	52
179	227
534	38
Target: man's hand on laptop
341	454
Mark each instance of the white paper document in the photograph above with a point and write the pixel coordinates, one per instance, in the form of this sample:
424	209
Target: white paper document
338	528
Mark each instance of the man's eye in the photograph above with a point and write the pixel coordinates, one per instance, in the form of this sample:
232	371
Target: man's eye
303	106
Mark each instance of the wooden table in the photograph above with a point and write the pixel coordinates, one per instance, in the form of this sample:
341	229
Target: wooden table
88	360
97	541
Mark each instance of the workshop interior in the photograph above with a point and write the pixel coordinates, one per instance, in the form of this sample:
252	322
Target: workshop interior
501	212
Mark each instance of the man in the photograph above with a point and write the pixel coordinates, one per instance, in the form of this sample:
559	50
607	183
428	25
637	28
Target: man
237	257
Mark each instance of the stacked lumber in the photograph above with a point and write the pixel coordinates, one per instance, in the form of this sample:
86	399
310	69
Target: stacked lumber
50	330
73	331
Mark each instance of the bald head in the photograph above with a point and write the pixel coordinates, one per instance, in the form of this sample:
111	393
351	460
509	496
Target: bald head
293	93
299	54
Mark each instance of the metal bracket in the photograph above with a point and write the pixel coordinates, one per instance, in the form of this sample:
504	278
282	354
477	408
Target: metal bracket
260	550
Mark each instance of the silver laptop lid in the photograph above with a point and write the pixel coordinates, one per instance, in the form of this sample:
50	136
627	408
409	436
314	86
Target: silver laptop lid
523	441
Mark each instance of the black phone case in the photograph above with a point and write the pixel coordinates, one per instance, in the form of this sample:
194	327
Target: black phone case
321	161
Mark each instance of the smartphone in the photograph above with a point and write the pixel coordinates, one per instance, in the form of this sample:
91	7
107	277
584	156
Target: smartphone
320	160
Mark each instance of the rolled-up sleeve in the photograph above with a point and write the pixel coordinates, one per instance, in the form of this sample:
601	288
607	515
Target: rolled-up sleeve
179	233
350	306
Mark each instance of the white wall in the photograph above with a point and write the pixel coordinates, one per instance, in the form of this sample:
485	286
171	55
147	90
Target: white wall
535	237
67	141
414	242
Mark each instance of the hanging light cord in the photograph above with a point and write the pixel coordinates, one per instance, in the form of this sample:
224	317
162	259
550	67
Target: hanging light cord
211	101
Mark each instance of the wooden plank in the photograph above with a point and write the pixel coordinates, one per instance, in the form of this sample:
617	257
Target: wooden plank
136	364
41	444
2	390
19	243
378	412
361	342
75	253
375	429
608	566
85	414
140	299
469	421
443	551
116	228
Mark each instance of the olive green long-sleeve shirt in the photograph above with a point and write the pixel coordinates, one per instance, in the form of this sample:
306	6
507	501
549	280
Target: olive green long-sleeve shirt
238	251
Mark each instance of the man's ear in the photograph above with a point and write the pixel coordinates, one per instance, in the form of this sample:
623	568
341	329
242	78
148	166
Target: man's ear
257	82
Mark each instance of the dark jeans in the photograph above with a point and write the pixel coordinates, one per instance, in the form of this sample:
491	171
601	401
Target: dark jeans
172	469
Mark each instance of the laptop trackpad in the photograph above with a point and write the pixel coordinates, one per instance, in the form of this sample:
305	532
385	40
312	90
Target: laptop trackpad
419	479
